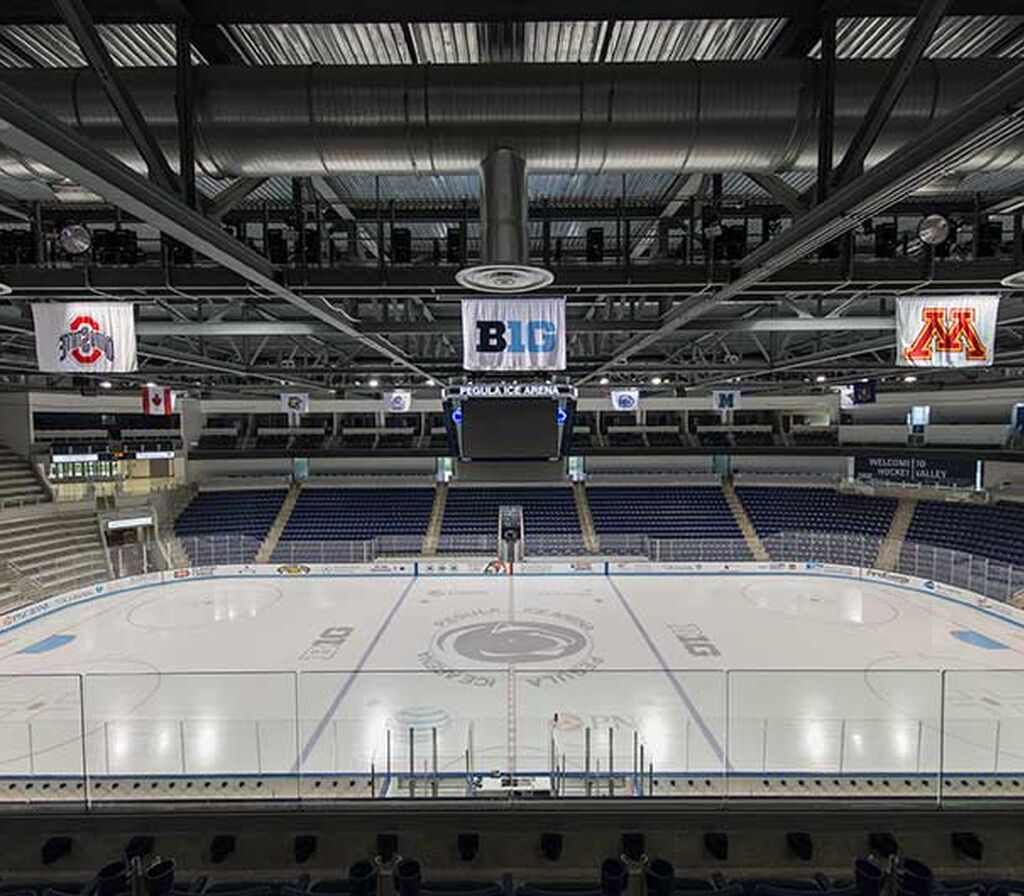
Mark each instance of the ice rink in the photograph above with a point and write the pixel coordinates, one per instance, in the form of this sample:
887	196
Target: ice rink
758	680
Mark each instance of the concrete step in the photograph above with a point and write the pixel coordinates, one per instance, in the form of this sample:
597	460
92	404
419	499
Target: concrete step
50	552
433	533
746	525
93	568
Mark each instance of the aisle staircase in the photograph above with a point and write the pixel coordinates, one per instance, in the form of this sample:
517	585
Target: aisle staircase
19	483
590	539
280	521
889	553
48	553
743	520
433	535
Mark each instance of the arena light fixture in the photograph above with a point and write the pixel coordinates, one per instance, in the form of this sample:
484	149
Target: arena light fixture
1013	281
106	384
604	381
910	378
430	383
373	384
820	378
656	380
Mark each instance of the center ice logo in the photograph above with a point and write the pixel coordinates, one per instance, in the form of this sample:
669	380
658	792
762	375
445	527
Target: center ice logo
508	643
557	645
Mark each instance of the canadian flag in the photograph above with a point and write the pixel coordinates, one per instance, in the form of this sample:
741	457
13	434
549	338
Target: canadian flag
157	400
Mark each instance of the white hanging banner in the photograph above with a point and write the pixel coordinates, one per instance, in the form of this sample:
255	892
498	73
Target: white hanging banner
947	331
513	334
295	403
625	399
397	402
85	337
725	399
157	400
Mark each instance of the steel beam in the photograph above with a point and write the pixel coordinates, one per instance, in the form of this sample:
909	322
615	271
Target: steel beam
77	17
788	197
984	120
449	327
234	193
826	105
202	362
910	53
34	132
185	101
330	11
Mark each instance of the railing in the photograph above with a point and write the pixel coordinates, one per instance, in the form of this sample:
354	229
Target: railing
919	734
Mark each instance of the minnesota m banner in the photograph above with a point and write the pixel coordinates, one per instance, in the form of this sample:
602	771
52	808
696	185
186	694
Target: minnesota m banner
946	332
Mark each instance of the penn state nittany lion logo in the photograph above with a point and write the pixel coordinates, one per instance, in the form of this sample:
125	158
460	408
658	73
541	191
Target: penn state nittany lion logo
508	643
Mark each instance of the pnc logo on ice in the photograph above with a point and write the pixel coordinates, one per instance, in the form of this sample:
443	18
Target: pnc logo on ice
516	336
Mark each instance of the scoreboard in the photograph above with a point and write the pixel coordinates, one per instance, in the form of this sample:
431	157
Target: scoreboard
510	421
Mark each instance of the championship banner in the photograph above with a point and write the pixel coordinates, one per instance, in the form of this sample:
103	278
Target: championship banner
85	337
865	392
157	400
513	334
946	332
294	404
725	399
397	402
625	399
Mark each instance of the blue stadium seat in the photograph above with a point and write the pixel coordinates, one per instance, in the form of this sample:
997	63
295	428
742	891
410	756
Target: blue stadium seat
247	512
700	513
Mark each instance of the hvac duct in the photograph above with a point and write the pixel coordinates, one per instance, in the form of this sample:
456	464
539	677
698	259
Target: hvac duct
756	116
505	249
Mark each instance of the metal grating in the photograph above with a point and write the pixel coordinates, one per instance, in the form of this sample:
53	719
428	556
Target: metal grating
957	37
53	46
371	44
697	39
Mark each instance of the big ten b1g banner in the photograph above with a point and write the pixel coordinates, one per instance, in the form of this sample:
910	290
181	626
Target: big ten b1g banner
513	334
957	331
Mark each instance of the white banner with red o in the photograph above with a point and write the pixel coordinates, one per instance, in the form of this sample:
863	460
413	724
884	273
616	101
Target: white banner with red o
85	337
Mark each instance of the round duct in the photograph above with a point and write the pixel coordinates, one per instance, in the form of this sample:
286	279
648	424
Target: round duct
505	247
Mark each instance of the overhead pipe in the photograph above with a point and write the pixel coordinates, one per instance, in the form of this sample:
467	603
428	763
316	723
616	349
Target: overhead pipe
749	116
504	245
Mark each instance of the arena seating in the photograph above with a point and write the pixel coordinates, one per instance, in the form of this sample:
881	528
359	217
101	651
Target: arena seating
353	514
820	510
677	512
990	530
243	512
549	516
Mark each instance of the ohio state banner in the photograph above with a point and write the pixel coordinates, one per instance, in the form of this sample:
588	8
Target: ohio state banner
513	334
946	332
85	337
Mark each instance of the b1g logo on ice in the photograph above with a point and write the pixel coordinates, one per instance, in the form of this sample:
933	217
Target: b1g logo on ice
513	334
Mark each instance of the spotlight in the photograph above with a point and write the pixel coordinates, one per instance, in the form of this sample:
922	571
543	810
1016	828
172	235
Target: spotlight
910	378
656	381
820	378
106	384
373	384
604	381
431	383
933	230
74	239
